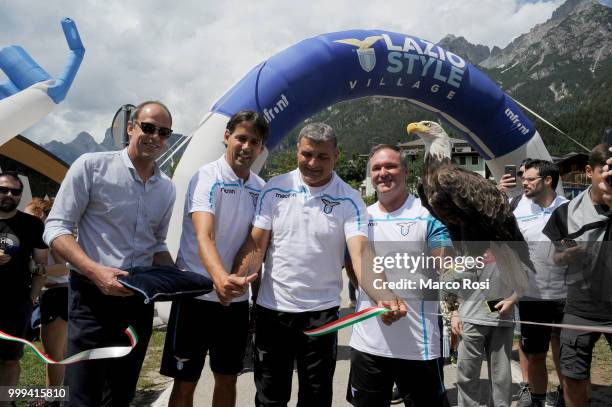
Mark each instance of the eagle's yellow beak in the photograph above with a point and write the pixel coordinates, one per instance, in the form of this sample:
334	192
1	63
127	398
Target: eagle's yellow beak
413	127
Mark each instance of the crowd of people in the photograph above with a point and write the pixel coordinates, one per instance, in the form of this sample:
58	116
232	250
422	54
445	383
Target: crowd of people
275	253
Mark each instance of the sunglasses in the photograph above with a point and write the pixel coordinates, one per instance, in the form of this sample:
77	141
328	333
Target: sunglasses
150	129
14	191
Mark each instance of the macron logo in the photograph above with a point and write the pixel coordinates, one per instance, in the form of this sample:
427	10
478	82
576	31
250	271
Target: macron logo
289	195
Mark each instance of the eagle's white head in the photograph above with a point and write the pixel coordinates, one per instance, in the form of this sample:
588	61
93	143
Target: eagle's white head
437	142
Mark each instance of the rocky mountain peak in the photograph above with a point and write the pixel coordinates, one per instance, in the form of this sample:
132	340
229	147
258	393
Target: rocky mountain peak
517	49
474	53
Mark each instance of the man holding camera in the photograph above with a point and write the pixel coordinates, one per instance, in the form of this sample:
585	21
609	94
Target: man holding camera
580	230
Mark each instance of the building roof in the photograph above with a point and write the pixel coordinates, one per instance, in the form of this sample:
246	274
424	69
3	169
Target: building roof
418	142
34	156
569	156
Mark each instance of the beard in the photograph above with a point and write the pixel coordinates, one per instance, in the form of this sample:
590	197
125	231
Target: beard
7	206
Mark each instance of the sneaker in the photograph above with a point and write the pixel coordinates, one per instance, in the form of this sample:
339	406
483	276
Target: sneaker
396	398
524	396
555	398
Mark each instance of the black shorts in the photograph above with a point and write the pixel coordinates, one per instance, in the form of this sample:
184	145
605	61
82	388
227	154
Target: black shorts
14	320
197	327
280	344
535	339
371	381
577	347
54	304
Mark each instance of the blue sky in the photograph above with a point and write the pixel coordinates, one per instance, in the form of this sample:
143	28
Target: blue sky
189	54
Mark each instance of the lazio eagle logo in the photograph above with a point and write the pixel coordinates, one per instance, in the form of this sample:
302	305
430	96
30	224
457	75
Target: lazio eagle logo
329	205
405	227
365	52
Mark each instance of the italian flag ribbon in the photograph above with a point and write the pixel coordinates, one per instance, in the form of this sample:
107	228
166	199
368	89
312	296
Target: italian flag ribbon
96	353
346	321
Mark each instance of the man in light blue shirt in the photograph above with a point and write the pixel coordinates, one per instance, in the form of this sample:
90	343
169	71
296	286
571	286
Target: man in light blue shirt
121	204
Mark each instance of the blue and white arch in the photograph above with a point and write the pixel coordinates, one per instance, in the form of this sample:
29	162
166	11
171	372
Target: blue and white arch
321	71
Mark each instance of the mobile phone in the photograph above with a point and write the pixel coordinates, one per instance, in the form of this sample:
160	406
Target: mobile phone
567	243
511	170
492	303
609	135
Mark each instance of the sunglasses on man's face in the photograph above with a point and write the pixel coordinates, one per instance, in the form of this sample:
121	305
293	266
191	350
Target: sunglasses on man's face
14	191
150	129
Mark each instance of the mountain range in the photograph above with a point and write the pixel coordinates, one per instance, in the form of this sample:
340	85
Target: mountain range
562	69
85	143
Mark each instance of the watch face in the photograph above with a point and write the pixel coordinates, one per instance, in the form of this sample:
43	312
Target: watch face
39	270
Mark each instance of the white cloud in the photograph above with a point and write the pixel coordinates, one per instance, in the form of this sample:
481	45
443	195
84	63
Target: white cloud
188	54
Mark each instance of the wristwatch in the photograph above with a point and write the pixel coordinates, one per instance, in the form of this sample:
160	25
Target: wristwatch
39	270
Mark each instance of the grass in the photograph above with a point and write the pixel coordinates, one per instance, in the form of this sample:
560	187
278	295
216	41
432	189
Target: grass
149	376
601	365
149	384
32	368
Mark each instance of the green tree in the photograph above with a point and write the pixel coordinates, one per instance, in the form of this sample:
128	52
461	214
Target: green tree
352	171
279	162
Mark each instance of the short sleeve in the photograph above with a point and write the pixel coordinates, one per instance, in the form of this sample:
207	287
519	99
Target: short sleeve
263	211
39	229
437	234
356	221
203	193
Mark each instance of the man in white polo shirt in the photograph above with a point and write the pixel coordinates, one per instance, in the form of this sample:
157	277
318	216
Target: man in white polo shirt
407	352
545	298
218	212
304	220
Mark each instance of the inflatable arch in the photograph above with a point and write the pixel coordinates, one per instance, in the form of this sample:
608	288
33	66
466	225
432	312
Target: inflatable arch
320	71
30	93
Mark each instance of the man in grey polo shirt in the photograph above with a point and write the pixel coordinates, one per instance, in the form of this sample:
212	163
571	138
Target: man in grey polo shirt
121	203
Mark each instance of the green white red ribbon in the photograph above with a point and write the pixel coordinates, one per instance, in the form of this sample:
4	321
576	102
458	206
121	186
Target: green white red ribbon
370	312
96	353
346	321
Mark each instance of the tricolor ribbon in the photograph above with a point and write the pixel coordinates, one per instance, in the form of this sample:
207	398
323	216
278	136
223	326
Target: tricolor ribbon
96	353
370	312
582	328
347	321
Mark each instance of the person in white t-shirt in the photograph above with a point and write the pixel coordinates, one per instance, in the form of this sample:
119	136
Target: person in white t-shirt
544	300
407	352
303	221
219	208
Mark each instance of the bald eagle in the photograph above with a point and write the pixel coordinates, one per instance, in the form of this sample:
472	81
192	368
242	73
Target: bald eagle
476	214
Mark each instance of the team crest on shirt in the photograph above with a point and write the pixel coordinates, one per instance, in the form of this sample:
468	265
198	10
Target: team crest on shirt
405	227
255	197
329	205
9	243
